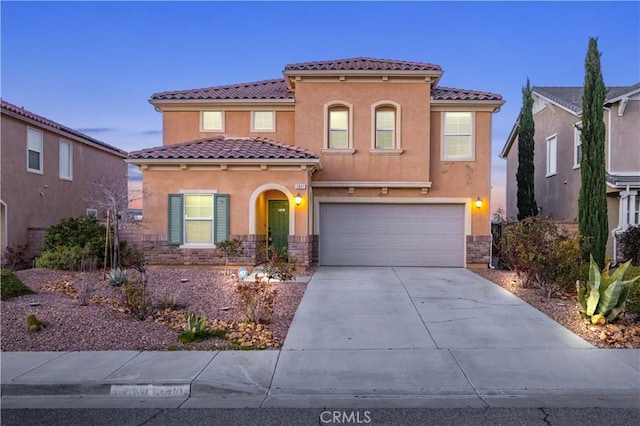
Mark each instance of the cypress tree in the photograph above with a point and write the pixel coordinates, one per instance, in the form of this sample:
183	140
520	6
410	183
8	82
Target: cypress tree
525	175
592	202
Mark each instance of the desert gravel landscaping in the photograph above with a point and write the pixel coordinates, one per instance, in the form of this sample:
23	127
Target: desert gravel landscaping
103	323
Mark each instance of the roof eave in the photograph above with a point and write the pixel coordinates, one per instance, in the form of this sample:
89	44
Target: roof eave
512	137
177	102
271	161
117	152
622	97
496	104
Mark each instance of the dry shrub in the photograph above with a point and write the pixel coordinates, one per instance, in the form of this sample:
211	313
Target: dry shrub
257	299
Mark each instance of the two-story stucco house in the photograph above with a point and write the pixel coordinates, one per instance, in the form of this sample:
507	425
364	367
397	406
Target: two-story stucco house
47	171
557	115
348	162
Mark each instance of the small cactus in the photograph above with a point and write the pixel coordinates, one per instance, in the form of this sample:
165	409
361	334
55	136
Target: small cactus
196	324
34	324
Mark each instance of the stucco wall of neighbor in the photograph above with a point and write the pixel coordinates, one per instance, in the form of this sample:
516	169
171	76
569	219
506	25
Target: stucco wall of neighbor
184	126
41	200
613	212
412	165
625	138
511	185
557	195
240	185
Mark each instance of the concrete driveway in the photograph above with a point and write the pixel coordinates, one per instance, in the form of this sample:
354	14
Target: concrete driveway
430	334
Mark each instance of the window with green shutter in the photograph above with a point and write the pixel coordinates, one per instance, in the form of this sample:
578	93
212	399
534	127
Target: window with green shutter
198	218
221	227
176	216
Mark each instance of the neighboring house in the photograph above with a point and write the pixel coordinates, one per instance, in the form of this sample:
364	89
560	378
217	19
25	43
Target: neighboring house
47	171
348	162
557	115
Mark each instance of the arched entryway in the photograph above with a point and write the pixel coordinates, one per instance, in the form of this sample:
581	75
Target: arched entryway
271	215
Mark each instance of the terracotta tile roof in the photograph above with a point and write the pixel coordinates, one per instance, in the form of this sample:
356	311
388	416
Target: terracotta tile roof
362	64
220	147
6	106
571	97
451	94
267	89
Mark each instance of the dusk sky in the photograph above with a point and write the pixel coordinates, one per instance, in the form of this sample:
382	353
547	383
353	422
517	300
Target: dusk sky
93	66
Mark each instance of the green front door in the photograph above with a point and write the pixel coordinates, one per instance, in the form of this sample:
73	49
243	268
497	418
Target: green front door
278	223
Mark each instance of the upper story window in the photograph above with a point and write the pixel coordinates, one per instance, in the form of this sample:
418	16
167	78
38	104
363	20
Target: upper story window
385	117
338	135
552	155
458	138
263	121
66	160
338	128
577	145
34	151
212	121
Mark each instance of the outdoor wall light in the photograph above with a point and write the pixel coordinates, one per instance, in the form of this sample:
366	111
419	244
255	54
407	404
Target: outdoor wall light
478	203
298	199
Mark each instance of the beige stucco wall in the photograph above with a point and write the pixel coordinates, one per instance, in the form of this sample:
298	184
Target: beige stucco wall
184	126
412	165
240	185
41	200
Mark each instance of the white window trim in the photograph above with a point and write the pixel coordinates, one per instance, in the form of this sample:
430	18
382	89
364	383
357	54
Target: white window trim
576	142
222	122
471	157
326	149
273	123
397	131
41	170
628	209
184	220
91	212
69	159
548	153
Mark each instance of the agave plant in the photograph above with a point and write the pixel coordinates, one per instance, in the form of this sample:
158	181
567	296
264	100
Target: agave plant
117	277
196	324
603	297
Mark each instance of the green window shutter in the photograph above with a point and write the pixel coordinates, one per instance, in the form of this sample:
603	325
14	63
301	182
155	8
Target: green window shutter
221	218
176	219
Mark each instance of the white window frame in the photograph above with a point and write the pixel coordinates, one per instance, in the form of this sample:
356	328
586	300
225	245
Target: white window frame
69	160
397	133
91	212
552	154
472	137
39	150
270	129
211	129
203	219
629	209
577	144
326	130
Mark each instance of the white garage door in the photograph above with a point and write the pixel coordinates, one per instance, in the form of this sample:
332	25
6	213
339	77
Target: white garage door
391	234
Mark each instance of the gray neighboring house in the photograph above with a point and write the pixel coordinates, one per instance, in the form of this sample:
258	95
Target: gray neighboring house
47	171
557	112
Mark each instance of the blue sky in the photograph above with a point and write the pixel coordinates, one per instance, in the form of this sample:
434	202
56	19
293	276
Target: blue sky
93	65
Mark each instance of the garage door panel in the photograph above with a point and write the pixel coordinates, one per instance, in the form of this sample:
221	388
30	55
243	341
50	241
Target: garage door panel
391	235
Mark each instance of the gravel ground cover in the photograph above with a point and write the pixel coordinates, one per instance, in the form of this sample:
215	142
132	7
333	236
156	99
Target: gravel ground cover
103	323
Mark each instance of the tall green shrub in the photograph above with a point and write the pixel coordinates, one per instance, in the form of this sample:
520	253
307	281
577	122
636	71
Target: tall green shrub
592	202
526	199
68	241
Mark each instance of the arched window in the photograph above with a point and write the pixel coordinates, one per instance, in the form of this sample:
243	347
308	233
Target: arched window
385	127
338	136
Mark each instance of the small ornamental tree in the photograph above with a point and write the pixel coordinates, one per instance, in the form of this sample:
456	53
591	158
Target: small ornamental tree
526	199
592	202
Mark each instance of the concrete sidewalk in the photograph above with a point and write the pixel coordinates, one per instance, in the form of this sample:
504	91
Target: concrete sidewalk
362	338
